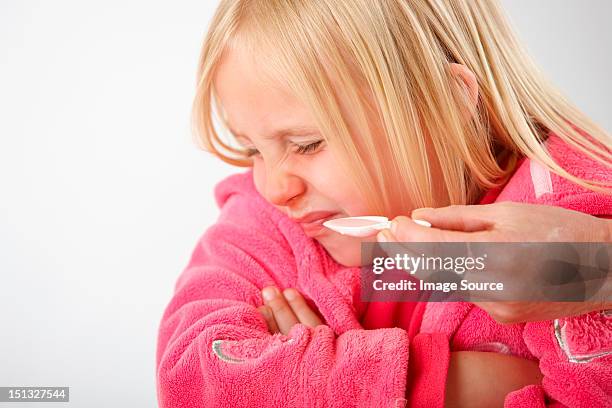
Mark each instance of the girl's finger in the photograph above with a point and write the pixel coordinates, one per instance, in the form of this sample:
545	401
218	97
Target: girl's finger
282	312
269	317
301	309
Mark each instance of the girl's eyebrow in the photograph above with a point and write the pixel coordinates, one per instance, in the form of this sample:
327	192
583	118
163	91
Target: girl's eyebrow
281	133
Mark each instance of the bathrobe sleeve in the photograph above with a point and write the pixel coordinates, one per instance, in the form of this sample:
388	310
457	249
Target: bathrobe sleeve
575	354
575	357
214	349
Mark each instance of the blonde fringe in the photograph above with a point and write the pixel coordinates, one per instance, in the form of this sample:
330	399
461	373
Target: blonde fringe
390	59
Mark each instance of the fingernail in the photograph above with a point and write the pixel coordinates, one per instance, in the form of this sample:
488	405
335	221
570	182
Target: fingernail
394	227
423	223
270	292
382	236
289	294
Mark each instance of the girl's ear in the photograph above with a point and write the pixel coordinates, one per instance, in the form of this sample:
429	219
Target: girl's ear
467	77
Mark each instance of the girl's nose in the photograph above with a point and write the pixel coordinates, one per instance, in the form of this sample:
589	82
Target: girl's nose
282	187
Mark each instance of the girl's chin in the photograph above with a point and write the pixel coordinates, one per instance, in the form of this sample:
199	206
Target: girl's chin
343	249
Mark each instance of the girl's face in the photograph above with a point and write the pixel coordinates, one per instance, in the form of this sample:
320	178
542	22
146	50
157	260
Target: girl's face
293	168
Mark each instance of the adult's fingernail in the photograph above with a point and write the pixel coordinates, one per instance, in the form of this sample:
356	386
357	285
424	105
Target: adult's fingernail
422	223
383	236
270	292
394	227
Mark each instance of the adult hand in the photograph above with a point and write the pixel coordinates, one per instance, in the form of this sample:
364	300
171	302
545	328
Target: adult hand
510	222
501	222
283	311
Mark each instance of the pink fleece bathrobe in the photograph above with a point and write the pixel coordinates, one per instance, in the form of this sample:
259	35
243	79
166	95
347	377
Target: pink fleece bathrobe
214	349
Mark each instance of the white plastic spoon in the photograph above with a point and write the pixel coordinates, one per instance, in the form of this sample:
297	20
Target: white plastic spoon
363	226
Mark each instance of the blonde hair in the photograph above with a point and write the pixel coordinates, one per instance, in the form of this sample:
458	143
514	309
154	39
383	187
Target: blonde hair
391	58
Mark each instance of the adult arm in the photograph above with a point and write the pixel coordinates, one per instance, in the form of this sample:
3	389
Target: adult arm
511	222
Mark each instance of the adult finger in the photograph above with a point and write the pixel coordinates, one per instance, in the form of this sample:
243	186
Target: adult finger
467	218
266	312
301	308
283	314
404	229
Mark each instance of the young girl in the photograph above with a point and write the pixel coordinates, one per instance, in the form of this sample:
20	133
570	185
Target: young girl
357	107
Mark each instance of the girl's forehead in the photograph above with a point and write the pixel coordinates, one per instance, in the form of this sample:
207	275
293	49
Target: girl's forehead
267	120
257	100
252	102
238	64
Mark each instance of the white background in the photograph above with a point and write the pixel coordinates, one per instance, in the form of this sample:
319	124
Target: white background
103	194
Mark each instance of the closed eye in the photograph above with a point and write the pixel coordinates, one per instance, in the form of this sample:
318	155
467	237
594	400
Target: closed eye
300	149
309	148
251	152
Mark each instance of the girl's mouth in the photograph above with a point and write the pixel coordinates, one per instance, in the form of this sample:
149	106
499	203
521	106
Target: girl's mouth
313	223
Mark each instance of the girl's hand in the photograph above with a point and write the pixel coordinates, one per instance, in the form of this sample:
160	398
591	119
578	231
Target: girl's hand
282	311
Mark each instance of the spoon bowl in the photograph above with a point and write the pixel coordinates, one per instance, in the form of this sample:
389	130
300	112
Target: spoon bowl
363	226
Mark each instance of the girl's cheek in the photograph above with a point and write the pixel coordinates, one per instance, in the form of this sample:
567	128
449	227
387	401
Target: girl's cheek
332	181
325	177
259	176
